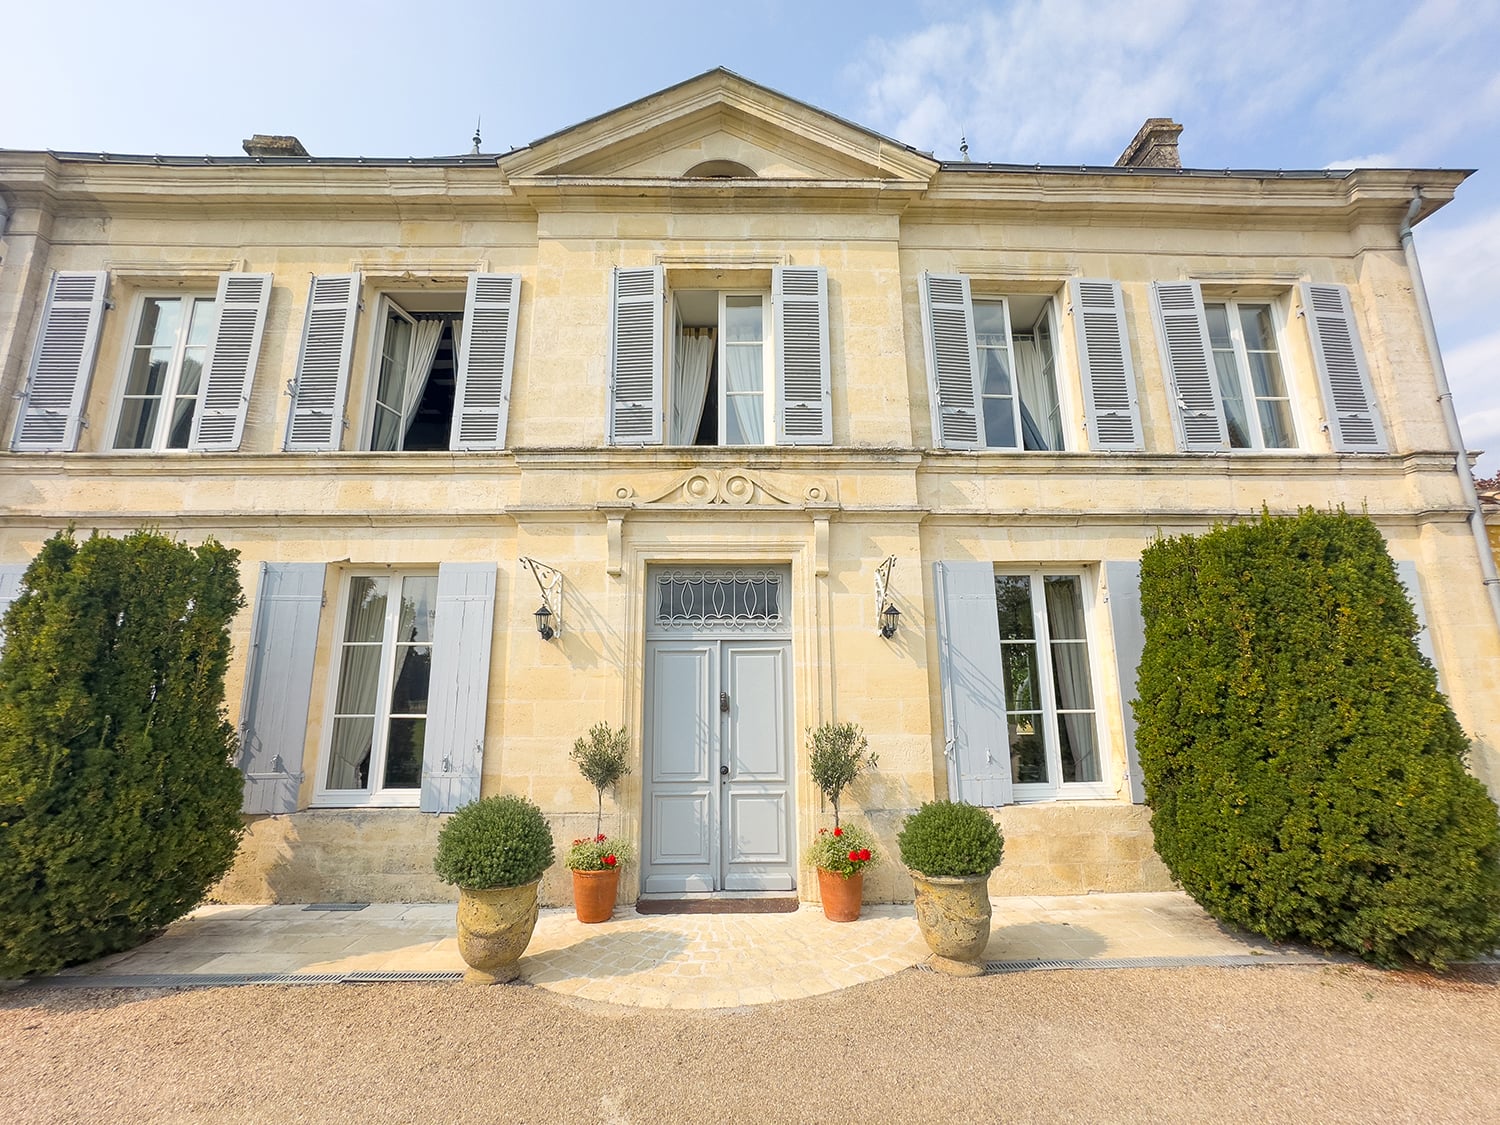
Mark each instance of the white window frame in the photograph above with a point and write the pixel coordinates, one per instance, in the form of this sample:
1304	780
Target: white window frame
1051	313
375	797
769	389
169	393
1277	318
1058	789
388	303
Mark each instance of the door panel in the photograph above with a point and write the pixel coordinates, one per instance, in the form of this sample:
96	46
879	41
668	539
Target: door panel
681	808
756	802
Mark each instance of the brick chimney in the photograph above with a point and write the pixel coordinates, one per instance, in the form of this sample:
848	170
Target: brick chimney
263	144
1155	146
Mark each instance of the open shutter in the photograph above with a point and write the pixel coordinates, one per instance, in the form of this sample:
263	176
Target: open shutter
977	741
1406	570
1183	330
804	408
1112	408
278	684
316	421
460	685
635	368
10	589
1123	581
485	357
948	325
57	385
242	302
1348	397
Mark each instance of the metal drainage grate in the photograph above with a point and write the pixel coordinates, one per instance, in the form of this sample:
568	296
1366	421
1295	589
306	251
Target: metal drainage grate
235	980
1224	960
338	907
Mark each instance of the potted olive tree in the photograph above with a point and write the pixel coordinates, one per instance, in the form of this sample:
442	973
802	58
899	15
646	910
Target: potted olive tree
595	862
495	851
950	849
839	753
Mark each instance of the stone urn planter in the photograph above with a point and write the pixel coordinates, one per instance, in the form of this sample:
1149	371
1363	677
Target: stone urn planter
494	928
954	917
495	851
950	849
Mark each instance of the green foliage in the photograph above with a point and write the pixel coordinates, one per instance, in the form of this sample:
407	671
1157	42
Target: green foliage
601	756
497	842
119	805
838	756
949	838
1306	775
597	853
845	850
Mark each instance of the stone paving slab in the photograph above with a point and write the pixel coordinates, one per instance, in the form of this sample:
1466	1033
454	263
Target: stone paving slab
690	961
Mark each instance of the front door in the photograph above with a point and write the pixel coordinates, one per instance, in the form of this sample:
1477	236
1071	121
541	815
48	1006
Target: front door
718	789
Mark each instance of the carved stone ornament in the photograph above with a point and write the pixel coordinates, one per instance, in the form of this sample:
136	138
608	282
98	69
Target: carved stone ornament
731	488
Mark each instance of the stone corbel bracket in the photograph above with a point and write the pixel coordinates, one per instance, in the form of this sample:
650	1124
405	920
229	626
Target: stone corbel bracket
715	489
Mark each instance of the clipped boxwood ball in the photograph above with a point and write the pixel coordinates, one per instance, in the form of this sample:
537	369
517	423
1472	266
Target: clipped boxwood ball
497	842
951	839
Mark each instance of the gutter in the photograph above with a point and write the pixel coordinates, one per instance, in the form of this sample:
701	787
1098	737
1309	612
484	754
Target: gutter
1450	416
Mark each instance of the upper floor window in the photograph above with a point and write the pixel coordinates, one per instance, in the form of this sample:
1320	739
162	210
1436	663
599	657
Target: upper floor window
164	372
1257	407
1017	373
741	367
416	363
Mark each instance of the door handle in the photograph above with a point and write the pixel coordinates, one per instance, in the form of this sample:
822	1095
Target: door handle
723	771
724	702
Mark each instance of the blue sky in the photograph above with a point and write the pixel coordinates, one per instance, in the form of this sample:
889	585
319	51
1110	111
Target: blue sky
1268	85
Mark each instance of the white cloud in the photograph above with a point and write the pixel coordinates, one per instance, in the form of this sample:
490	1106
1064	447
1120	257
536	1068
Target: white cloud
1472	368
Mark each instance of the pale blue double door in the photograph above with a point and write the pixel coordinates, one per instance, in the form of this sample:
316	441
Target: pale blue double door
718	803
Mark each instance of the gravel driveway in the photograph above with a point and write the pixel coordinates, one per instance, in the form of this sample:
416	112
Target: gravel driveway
1289	1044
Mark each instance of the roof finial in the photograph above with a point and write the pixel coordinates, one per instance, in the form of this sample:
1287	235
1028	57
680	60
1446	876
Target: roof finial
475	150
963	147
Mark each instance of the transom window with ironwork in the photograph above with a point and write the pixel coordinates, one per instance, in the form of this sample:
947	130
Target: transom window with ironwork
724	599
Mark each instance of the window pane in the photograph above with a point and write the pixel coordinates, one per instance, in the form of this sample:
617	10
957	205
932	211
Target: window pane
999	423
746	366
1265	375
1218	327
1255	326
1276	423
744	425
192	371
181	431
742	319
1021	676
366	609
205	318
1013	594
418	609
137	423
148	371
1080	749
160	319
1235	414
349	754
1028	759
393	360
989	322
359	675
413	672
403	754
1064	594
994	371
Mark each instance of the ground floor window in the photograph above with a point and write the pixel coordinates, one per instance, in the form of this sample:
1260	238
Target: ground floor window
382	672
1048	683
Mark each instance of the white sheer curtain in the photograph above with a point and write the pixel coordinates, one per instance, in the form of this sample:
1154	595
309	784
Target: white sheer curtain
424	346
354	726
1070	668
691	360
744	395
1041	420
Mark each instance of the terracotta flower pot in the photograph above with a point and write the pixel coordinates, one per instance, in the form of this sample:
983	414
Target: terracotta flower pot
594	894
494	927
841	895
954	917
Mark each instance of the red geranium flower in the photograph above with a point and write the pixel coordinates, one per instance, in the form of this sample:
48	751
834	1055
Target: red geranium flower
853	857
599	839
864	853
609	861
838	831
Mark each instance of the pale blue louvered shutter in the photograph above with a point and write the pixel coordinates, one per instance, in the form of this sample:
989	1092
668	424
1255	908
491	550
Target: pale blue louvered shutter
635	347
1194	390
1123	581
278	684
1113	411
804	408
486	356
316	421
952	382
10	589
1406	570
1348	397
976	738
241	305
57	385
453	750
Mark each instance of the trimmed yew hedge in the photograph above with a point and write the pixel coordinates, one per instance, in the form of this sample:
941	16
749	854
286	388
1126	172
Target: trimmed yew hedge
1305	774
119	805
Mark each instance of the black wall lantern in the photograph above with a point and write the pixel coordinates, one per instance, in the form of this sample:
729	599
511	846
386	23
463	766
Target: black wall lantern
886	613
550	582
888	618
544	622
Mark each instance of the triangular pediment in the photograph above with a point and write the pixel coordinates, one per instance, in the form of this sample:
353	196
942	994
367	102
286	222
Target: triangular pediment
715	124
